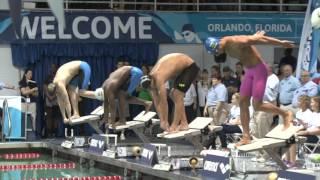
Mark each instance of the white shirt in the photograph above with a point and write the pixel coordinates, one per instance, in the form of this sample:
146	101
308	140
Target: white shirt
202	94
304	116
234	112
272	88
189	96
314	121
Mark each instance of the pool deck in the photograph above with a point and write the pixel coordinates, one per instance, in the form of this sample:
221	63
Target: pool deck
243	166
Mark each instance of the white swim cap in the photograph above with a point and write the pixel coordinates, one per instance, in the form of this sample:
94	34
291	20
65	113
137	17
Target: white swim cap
99	94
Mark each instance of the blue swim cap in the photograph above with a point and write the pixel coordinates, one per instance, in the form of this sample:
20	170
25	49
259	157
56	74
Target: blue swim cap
212	45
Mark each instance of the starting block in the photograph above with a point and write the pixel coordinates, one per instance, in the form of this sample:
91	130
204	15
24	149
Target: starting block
142	120
92	119
276	138
198	127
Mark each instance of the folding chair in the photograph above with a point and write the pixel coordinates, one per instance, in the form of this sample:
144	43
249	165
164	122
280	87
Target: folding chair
312	147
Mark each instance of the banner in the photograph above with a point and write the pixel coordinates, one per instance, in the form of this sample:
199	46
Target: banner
109	27
309	43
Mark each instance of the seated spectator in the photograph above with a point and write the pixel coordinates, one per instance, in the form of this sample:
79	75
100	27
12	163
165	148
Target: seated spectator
232	124
308	87
217	99
302	116
310	128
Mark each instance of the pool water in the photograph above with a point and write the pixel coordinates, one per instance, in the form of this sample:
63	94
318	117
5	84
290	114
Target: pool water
45	167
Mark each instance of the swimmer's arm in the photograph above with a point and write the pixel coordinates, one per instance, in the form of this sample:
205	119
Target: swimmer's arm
261	39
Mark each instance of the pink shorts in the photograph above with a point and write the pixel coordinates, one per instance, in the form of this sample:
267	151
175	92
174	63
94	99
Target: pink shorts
254	82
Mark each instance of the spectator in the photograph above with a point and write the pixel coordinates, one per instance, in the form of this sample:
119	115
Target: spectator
29	90
51	105
308	88
215	71
217	98
190	103
301	119
232	124
203	85
288	59
230	82
316	77
311	129
239	71
287	87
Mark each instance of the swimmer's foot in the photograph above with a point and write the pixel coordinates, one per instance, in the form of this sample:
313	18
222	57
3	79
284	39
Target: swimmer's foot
164	125
183	127
74	117
245	140
120	123
66	121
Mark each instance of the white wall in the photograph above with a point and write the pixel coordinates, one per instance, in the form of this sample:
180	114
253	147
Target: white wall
8	73
205	60
4	5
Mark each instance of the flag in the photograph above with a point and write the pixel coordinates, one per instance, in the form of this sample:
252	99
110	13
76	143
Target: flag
15	13
58	10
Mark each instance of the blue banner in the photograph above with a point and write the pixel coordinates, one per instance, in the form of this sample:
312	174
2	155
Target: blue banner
109	27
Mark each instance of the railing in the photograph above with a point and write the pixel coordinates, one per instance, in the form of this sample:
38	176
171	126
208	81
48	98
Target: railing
5	112
177	5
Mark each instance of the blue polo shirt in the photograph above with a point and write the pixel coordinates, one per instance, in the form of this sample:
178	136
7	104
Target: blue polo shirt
286	89
217	93
310	89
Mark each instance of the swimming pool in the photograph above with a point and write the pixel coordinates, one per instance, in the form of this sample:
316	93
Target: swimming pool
35	161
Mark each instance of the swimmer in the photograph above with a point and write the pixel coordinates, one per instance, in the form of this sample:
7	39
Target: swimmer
256	74
181	69
69	78
120	85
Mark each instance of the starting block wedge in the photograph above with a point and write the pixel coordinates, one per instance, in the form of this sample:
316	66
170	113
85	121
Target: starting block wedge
142	120
276	138
199	126
92	119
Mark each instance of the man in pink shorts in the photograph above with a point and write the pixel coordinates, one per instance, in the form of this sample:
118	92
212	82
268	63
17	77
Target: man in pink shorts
256	74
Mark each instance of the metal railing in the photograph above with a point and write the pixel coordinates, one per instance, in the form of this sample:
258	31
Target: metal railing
5	112
177	5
